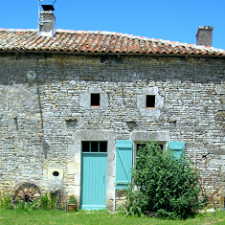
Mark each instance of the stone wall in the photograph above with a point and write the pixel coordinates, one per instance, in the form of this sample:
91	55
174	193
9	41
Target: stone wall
39	119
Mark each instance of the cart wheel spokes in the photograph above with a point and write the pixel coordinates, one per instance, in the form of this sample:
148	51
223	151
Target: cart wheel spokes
26	192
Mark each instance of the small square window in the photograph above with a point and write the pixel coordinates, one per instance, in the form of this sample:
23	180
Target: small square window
95	100
150	101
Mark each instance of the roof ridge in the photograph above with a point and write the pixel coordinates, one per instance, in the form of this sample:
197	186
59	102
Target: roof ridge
139	37
91	32
16	30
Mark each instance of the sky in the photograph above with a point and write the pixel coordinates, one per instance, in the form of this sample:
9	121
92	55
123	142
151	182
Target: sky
174	20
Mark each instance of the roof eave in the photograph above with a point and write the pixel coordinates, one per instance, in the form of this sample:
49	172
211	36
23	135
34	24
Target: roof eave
116	53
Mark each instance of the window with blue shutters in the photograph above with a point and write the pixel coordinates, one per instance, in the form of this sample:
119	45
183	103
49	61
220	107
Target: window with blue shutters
124	152
178	148
124	159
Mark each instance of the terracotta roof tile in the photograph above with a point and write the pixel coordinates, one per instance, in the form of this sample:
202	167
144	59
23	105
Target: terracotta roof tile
97	42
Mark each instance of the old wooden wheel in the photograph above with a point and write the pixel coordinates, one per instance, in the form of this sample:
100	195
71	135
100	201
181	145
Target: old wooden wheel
26	192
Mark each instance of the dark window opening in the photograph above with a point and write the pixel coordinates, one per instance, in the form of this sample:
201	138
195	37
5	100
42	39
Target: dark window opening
85	146
150	101
94	146
103	146
95	100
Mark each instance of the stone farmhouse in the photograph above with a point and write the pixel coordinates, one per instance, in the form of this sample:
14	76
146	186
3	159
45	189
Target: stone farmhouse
76	105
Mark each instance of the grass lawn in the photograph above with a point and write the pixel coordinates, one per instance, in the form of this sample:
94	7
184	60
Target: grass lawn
102	217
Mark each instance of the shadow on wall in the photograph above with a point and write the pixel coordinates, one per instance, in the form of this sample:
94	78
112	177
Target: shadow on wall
45	148
90	68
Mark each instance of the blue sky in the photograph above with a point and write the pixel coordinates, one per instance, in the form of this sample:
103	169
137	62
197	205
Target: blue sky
174	20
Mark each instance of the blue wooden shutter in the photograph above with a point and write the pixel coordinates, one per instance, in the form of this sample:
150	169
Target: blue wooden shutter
177	147
123	163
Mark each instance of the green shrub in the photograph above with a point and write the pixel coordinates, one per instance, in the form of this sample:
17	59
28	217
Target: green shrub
45	202
27	206
51	201
5	202
164	184
134	201
72	200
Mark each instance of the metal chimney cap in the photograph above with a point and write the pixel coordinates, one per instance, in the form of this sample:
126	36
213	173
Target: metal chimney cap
48	7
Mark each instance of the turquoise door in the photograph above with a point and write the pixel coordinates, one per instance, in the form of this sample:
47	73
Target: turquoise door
93	189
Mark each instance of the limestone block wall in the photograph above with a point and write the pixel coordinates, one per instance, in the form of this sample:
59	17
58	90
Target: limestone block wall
40	119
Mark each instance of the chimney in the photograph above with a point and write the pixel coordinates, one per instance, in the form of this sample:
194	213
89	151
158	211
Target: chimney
204	36
47	21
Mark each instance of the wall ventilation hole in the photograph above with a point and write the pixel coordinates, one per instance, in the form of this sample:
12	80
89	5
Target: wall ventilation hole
55	173
131	125
173	123
16	122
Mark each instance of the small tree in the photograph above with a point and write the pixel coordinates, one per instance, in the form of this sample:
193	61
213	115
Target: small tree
167	185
